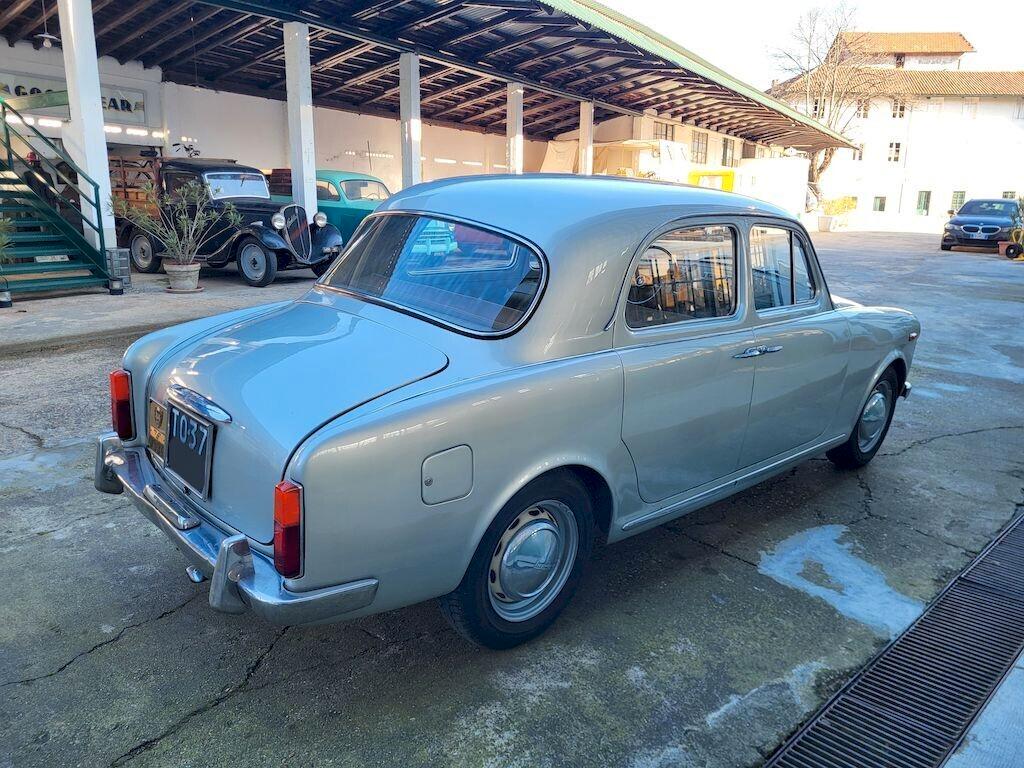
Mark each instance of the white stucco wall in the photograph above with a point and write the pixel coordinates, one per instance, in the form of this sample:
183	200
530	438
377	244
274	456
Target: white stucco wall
943	149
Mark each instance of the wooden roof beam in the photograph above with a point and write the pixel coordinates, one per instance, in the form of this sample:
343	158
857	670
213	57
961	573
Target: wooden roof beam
170	11
199	18
189	50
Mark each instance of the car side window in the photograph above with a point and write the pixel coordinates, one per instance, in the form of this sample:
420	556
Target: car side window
325	190
781	272
173	182
686	274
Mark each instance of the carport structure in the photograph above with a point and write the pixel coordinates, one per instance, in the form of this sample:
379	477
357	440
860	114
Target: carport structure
533	68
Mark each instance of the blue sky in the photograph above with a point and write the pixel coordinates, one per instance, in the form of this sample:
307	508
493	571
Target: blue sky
738	36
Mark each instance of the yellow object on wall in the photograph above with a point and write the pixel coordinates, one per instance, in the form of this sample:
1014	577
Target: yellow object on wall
724	180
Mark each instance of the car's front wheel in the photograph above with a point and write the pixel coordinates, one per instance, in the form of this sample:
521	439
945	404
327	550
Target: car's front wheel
321	267
142	253
527	565
872	424
256	264
946	246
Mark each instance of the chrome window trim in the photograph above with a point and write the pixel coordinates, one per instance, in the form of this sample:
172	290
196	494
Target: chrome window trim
364	227
820	302
699	328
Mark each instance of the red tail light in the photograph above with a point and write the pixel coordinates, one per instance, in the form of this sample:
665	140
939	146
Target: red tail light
121	404
288	529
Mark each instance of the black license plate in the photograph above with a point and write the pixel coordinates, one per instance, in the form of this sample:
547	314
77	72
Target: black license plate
189	448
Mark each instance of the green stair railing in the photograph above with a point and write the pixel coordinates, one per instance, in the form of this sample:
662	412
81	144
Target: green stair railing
51	200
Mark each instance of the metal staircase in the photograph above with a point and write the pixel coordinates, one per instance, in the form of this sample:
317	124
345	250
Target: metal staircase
49	248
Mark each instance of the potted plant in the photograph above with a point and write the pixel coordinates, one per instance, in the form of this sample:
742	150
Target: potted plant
182	222
5	255
833	208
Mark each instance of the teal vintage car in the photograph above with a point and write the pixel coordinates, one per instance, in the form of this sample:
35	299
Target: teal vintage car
346	197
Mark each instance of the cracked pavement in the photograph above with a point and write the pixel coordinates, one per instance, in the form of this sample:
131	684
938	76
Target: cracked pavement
703	642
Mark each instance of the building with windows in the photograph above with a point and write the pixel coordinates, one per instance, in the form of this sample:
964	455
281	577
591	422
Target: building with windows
930	132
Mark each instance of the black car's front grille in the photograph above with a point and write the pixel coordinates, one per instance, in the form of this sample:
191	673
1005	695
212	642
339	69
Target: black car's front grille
986	229
296	231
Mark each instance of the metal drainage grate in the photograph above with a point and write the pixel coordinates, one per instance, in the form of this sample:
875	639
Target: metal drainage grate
913	703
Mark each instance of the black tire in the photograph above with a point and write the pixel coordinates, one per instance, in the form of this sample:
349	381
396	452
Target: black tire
143	254
1013	250
321	267
256	264
470	608
854	452
946	247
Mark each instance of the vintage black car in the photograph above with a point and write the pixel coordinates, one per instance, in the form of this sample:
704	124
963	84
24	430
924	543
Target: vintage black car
983	223
270	237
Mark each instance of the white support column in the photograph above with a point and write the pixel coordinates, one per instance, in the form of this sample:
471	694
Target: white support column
514	126
586	163
299	88
412	127
83	135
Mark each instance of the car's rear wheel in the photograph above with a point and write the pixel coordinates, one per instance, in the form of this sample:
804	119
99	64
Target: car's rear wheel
143	254
527	565
256	264
872	424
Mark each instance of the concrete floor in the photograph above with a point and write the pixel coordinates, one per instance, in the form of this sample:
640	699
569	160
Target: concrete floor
701	643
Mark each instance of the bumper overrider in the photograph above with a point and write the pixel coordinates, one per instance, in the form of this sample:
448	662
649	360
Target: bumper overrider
240	579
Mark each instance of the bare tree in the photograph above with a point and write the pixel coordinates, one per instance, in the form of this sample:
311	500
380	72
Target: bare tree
830	74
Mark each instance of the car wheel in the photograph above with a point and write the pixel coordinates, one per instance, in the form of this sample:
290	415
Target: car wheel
946	247
143	254
256	264
872	424
527	565
321	267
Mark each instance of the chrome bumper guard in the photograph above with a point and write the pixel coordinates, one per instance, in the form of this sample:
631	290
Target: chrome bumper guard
240	579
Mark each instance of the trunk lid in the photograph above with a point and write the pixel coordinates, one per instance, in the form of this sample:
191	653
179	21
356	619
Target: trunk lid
280	376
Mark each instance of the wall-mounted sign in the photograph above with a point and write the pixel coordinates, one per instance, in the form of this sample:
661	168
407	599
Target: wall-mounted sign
120	105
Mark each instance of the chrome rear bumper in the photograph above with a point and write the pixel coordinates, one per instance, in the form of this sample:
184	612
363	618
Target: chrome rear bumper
239	577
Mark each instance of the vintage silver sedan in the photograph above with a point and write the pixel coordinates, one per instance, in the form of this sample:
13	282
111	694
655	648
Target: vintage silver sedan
497	373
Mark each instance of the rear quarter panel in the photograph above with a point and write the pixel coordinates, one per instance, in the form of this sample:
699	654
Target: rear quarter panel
364	514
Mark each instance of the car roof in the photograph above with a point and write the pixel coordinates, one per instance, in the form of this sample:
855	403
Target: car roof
332	175
203	164
990	200
589	228
540	207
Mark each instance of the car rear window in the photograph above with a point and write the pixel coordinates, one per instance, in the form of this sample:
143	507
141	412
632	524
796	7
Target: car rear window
456	274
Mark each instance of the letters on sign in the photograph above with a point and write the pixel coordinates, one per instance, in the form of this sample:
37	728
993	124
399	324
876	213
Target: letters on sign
120	105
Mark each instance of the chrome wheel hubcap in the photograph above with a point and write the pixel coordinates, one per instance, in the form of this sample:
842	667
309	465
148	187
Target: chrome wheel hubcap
253	262
873	417
533	560
142	251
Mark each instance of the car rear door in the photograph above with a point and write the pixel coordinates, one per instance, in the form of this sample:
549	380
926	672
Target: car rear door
681	336
802	345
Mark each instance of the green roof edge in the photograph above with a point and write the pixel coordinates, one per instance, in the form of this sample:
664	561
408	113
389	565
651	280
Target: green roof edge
591	12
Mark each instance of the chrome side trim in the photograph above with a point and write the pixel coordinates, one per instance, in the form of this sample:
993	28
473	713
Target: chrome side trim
196	402
695	500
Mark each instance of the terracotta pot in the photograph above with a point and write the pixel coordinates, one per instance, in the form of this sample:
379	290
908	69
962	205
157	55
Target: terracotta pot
825	223
184	277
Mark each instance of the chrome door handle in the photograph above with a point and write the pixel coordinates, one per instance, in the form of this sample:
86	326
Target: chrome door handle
756	351
749	352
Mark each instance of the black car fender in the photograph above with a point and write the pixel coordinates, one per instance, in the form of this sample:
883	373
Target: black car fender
270	238
327	243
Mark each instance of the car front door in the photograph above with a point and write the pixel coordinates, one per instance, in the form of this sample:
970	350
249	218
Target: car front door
802	346
682	339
